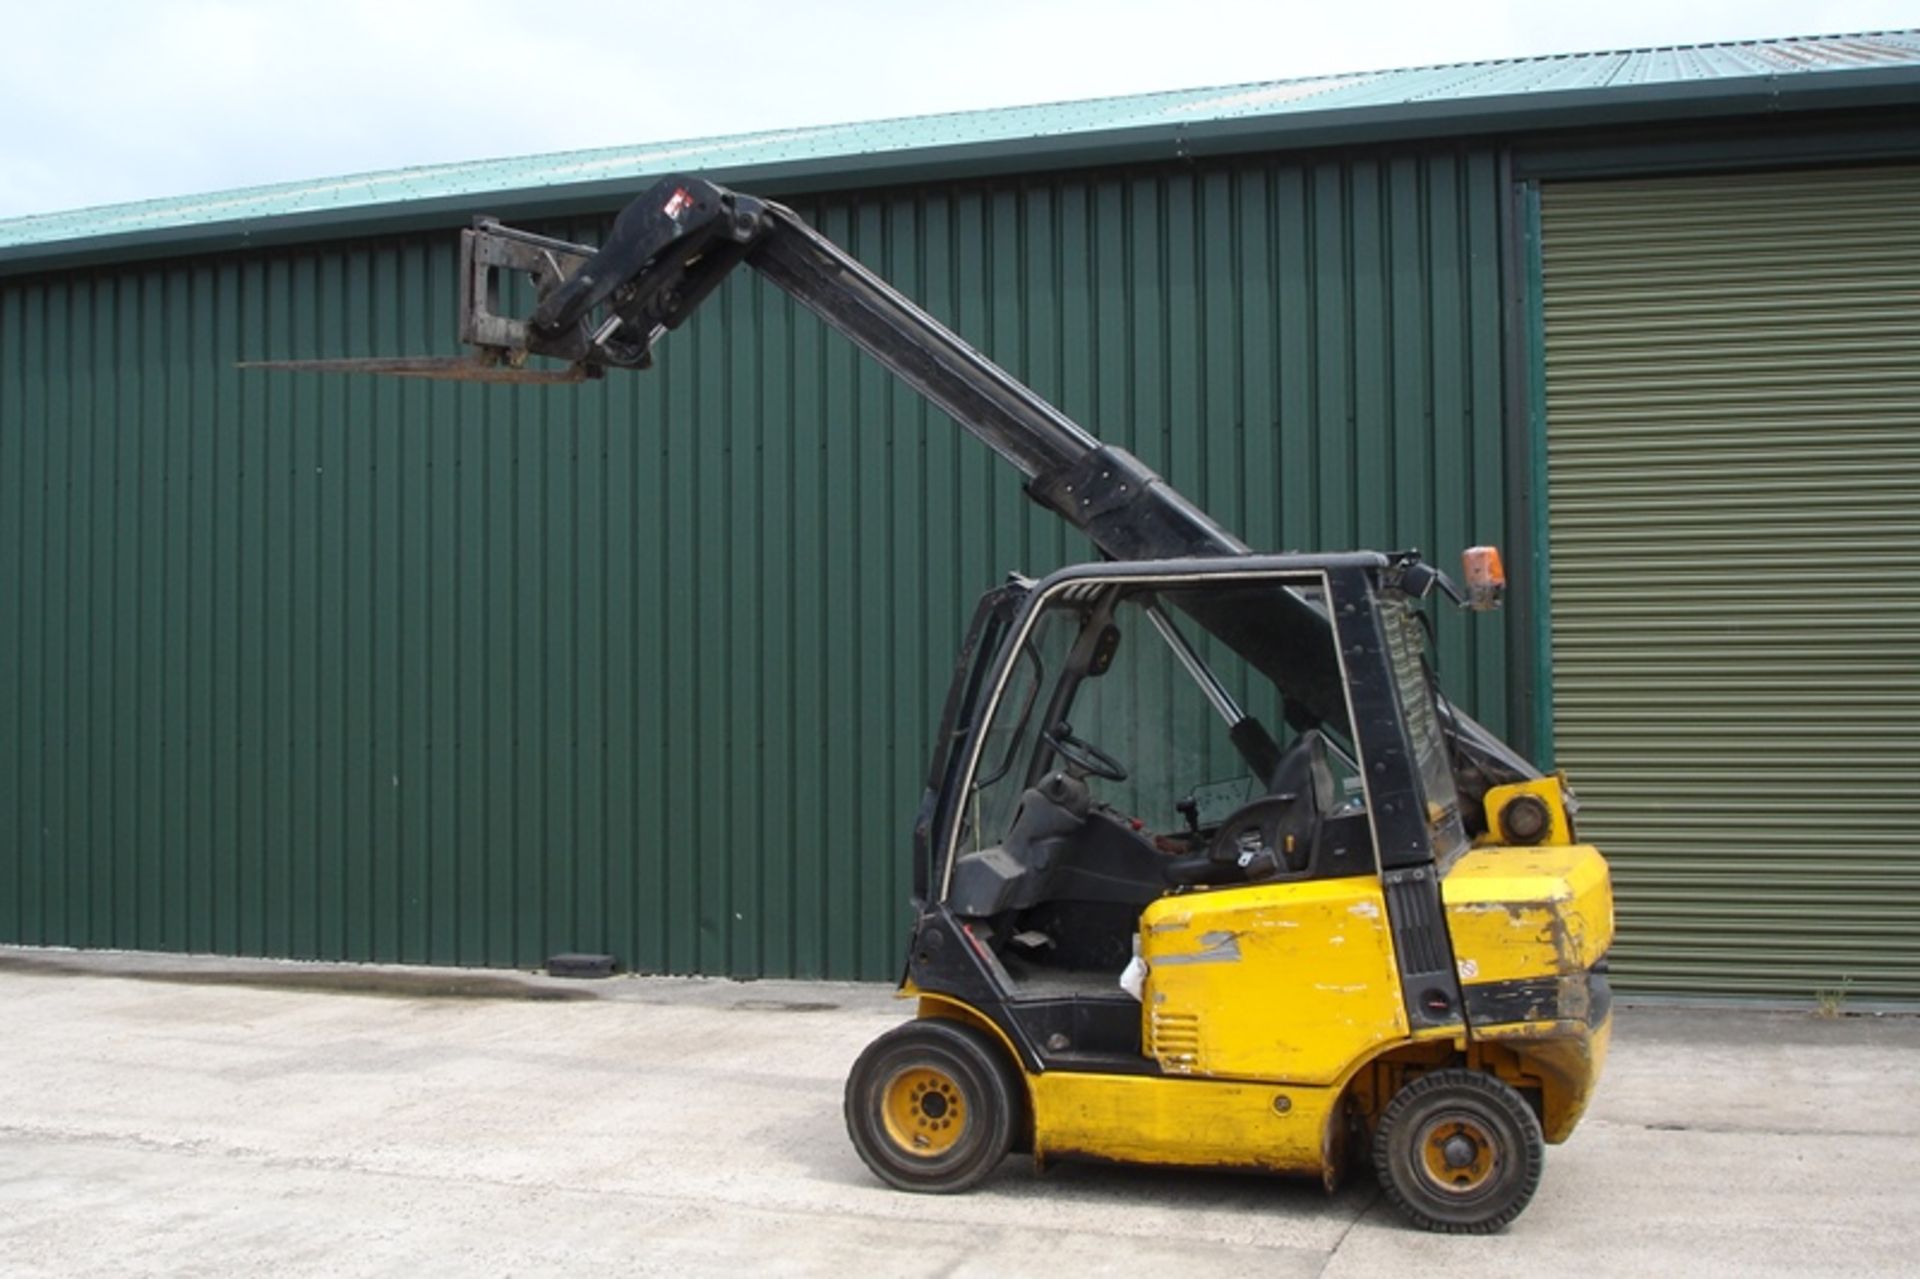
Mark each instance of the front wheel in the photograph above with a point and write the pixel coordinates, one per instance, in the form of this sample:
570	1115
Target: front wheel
931	1106
1458	1151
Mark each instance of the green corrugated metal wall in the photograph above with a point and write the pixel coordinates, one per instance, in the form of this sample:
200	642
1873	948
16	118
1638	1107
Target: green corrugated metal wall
1733	416
365	669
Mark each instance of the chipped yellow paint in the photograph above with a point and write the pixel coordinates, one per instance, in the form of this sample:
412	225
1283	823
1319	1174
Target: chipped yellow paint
1566	1057
1193	1123
1289	982
1518	913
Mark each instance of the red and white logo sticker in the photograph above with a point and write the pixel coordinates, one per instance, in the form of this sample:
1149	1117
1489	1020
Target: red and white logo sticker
679	203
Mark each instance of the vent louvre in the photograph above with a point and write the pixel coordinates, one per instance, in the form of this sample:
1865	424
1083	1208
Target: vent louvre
1409	907
1175	1039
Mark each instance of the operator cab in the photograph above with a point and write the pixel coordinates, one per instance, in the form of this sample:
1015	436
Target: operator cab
1125	735
1128	756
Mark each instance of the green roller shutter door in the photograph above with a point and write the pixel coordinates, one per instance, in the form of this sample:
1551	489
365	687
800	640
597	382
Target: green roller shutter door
1733	425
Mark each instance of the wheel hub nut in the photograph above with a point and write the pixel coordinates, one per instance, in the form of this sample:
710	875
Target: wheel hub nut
1458	1150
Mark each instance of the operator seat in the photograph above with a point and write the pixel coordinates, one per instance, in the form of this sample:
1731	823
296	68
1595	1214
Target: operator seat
1275	834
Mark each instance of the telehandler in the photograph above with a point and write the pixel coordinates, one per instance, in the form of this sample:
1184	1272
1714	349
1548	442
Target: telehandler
1147	929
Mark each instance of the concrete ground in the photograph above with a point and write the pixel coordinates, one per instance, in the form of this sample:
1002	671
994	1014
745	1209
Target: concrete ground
212	1117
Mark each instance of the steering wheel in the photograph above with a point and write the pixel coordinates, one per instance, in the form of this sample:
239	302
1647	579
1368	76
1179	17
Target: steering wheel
1085	756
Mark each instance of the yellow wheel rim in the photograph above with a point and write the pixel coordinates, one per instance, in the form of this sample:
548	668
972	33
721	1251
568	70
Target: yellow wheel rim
924	1110
1458	1155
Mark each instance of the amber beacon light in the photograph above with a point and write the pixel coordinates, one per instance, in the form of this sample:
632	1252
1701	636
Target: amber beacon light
1485	576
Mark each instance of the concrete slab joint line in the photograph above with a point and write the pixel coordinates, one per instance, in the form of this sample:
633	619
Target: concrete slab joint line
161	1114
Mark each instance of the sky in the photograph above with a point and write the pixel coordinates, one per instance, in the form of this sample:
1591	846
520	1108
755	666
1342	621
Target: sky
107	101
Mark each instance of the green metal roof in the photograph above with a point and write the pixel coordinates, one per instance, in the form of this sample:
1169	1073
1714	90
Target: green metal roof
1747	77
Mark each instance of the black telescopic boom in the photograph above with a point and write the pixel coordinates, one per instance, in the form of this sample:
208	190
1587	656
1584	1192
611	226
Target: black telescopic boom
673	245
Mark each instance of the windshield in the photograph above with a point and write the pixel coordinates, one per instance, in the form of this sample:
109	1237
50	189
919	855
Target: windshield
1433	767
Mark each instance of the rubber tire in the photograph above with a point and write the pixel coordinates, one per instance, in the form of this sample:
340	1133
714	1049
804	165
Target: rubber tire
1519	1149
978	1067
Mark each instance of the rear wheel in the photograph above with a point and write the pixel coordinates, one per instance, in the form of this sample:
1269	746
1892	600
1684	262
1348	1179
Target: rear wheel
1459	1151
931	1106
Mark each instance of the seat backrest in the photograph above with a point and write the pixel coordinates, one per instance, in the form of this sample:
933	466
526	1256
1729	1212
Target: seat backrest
1274	834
